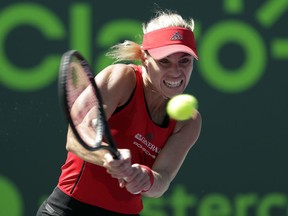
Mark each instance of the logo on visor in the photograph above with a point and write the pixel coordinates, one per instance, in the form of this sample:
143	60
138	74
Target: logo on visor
176	36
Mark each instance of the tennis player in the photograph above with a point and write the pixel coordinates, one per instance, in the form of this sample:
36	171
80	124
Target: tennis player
152	146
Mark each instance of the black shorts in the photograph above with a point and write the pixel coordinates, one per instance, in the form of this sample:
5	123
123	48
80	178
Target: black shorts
60	204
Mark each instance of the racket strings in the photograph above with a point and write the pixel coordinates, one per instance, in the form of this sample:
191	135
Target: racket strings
77	82
83	104
98	125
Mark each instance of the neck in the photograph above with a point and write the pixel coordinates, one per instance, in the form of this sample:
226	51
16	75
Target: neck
155	102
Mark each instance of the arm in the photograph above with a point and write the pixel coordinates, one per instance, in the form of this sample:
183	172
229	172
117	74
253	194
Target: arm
116	83
172	156
168	162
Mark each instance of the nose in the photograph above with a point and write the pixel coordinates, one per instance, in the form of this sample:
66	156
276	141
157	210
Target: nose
176	70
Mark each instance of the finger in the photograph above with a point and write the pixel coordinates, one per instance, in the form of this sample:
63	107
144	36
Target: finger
138	192
125	155
122	183
139	181
132	173
107	158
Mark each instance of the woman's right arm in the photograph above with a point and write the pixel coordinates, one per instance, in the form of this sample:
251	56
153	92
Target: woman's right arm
116	83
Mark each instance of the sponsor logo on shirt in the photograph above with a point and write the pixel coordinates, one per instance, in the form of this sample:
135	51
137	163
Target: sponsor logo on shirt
147	146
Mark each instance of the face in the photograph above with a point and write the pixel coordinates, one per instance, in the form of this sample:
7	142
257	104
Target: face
170	76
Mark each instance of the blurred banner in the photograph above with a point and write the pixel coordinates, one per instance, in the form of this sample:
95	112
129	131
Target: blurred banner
238	166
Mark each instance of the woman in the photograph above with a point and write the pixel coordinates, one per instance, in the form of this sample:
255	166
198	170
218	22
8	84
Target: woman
152	146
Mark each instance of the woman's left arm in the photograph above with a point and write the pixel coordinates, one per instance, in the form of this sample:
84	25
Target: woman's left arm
168	162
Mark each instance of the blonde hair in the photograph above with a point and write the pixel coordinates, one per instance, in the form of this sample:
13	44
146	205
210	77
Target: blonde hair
131	51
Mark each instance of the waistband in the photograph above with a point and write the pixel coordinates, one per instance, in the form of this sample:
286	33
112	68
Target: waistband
67	206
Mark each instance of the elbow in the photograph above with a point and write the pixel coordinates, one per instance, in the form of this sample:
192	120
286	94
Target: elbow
68	147
71	147
70	144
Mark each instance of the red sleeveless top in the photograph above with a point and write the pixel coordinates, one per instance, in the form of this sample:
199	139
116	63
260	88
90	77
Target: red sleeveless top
131	128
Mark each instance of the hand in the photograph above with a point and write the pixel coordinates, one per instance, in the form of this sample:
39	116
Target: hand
118	168
139	181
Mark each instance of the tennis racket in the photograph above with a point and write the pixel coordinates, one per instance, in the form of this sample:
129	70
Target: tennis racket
82	104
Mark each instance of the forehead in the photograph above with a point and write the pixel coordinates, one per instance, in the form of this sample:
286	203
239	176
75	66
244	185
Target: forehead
179	55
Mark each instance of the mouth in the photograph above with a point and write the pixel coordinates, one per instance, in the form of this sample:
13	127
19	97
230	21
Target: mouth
173	84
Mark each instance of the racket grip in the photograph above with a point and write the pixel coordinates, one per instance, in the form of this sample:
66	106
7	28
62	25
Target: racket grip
116	155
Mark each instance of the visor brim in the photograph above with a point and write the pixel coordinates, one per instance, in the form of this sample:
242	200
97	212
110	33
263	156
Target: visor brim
162	52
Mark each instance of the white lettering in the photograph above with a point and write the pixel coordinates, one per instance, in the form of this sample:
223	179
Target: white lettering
148	144
143	149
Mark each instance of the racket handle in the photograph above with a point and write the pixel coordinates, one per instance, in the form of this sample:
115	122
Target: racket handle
116	155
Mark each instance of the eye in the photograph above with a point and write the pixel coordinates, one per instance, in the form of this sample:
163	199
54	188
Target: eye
185	60
164	61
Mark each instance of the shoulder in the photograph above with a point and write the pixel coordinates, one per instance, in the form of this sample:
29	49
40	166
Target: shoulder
189	130
118	73
117	81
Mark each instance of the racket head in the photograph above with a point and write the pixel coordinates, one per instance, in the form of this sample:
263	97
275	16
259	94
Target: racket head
82	103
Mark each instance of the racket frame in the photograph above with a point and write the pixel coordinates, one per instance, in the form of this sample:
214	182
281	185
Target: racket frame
64	70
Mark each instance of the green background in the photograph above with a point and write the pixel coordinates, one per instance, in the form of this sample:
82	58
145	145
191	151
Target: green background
238	166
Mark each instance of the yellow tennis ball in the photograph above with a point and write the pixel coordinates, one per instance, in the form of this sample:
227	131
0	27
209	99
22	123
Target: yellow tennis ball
182	107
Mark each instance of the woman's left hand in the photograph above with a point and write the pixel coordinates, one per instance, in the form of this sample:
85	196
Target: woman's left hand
138	181
118	168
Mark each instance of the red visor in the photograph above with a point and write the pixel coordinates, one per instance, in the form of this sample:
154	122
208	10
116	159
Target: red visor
166	41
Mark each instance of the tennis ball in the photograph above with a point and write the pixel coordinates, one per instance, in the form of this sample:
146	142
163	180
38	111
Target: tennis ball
182	107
